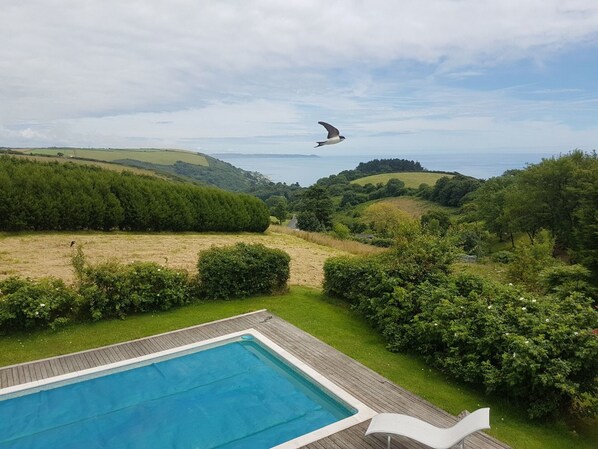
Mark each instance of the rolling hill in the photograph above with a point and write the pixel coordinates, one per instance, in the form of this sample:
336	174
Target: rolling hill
411	179
184	165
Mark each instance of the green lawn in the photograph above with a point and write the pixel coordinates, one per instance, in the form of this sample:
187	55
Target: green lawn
411	179
331	322
154	156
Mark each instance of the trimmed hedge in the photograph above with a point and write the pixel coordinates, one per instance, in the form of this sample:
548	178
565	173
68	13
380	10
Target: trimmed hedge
52	196
242	270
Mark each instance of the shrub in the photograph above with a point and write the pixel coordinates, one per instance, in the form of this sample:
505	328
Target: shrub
537	351
530	260
242	270
114	290
504	257
341	231
420	257
27	304
356	278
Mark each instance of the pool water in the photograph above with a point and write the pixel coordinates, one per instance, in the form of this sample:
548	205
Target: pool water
236	395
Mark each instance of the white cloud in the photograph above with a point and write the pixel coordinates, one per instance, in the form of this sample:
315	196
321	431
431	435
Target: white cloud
111	72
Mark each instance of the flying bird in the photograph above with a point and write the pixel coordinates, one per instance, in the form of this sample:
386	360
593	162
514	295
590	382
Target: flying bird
333	135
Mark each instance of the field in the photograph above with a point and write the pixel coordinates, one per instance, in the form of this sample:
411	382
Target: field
411	179
416	207
49	254
103	165
153	156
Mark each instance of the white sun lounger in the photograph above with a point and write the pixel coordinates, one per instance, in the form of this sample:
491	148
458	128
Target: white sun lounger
435	437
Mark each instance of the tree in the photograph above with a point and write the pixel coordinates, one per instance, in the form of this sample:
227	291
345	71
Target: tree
315	202
278	206
388	220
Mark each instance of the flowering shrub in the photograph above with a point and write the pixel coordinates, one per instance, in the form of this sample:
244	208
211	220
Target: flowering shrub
115	290
539	351
28	304
242	270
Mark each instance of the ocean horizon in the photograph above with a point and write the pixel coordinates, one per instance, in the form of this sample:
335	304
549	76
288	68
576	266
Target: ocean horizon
306	170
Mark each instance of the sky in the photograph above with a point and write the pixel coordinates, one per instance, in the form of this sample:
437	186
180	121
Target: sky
255	76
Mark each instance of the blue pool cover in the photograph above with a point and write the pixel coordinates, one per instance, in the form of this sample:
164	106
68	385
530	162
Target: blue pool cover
237	395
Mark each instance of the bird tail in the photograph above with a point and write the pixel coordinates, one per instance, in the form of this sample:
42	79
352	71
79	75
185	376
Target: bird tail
319	144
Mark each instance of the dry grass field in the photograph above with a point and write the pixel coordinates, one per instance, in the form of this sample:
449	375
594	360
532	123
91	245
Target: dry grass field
49	254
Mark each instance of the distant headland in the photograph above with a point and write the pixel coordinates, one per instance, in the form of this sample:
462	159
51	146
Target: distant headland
261	155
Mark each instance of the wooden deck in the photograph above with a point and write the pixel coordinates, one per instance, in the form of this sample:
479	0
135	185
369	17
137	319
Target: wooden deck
369	387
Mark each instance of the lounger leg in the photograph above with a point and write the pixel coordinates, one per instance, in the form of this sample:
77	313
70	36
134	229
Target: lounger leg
388	445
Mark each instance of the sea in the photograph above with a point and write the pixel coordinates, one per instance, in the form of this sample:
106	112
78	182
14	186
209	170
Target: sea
306	170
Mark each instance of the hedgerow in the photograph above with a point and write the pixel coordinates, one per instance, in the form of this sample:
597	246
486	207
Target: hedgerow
242	270
538	351
112	290
27	304
53	196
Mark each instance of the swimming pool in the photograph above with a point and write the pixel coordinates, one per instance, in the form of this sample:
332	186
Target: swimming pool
237	391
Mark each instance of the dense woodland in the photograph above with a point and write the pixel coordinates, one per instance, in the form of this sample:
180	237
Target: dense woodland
40	196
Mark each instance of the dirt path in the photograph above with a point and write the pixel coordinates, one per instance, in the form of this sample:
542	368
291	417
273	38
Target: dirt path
49	254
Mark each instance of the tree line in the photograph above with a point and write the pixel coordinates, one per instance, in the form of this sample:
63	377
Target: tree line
559	194
53	196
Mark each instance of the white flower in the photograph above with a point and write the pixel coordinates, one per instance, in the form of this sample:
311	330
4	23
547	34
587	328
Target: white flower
547	320
521	298
510	284
490	306
506	333
42	305
435	324
524	308
36	313
575	333
533	300
514	354
526	342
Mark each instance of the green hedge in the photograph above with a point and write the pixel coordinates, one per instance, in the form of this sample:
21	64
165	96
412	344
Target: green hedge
242	270
26	304
113	290
107	290
538	351
356	278
53	196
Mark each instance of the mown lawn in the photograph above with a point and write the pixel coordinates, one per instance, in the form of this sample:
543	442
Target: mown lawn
331	322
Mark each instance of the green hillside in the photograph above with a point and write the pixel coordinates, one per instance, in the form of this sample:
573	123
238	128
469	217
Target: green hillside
411	179
185	165
150	155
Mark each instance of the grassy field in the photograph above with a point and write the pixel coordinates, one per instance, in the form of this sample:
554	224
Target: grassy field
411	179
103	165
37	255
331	322
154	156
414	206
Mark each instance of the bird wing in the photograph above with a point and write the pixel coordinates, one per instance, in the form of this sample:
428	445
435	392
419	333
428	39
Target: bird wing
332	131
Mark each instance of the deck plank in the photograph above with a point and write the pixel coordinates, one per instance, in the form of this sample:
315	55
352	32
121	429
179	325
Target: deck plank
375	391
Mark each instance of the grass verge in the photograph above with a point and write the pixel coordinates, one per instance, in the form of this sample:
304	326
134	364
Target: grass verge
332	322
